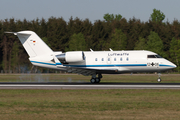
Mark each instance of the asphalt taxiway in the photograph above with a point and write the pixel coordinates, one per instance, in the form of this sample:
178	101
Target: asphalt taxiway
87	85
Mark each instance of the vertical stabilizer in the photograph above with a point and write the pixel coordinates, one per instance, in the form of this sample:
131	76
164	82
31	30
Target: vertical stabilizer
33	44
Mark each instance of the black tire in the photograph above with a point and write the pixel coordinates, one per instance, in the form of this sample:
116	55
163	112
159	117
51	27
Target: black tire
98	80
93	80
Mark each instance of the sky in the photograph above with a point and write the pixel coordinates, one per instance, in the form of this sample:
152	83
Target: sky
91	9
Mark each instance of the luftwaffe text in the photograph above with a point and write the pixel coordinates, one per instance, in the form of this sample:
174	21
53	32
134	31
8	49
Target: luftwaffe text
118	54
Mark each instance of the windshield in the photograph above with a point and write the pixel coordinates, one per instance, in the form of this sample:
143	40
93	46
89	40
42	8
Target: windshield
154	56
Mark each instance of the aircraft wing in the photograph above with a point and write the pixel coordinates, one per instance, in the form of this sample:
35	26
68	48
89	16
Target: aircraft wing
87	72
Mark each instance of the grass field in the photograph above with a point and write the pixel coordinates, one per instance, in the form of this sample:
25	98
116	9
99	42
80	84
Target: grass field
120	104
90	104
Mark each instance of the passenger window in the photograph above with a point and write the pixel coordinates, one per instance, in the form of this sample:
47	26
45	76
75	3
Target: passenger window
108	59
95	59
114	59
127	59
120	59
102	59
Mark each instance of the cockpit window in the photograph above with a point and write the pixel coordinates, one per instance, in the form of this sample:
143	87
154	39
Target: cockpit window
158	56
151	56
154	56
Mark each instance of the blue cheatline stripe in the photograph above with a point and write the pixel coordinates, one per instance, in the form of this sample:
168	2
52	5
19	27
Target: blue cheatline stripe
43	63
112	65
166	65
58	63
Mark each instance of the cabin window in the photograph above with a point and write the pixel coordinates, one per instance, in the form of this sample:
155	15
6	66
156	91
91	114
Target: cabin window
114	59
102	59
108	59
120	59
127	59
95	59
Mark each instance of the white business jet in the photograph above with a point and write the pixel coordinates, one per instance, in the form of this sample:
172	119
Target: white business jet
94	63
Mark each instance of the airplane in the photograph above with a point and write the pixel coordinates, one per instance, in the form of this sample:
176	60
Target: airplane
93	63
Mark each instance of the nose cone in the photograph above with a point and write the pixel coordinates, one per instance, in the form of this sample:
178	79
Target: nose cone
173	65
170	64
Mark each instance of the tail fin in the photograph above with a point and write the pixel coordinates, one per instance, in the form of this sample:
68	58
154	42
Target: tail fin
33	44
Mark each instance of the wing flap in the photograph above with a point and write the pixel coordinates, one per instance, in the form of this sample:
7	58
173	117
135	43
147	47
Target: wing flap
81	71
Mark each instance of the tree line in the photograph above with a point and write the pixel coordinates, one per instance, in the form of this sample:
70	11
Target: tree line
113	32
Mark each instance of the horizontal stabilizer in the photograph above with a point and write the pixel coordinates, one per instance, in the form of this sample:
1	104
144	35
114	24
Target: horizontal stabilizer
15	33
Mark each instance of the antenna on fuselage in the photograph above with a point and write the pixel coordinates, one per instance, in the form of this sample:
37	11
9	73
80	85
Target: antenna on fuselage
110	49
91	50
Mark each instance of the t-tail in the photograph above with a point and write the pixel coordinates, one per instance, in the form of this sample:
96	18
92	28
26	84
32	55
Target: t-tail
39	52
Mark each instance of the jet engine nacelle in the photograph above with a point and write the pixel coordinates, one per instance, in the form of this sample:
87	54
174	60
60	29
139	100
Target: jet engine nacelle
70	57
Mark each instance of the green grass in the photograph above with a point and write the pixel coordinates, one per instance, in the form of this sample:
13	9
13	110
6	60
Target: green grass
120	104
90	104
145	78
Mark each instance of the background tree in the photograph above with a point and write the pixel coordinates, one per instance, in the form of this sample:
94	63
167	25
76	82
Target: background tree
110	17
118	40
155	44
113	32
57	33
1	45
46	41
175	51
140	44
99	35
157	16
15	57
77	43
133	31
4	45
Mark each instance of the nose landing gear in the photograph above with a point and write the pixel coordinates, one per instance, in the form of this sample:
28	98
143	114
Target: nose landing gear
159	79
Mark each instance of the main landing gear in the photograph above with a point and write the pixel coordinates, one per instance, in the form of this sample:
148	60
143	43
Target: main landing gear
95	79
159	78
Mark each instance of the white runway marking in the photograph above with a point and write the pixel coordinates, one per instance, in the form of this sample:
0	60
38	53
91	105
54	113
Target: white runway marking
19	86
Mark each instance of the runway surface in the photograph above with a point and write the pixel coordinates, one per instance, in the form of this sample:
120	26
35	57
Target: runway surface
87	85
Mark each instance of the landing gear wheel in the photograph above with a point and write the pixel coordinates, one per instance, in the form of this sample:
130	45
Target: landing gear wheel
93	80
98	80
159	79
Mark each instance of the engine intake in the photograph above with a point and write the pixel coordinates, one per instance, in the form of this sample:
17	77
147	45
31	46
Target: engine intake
71	57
